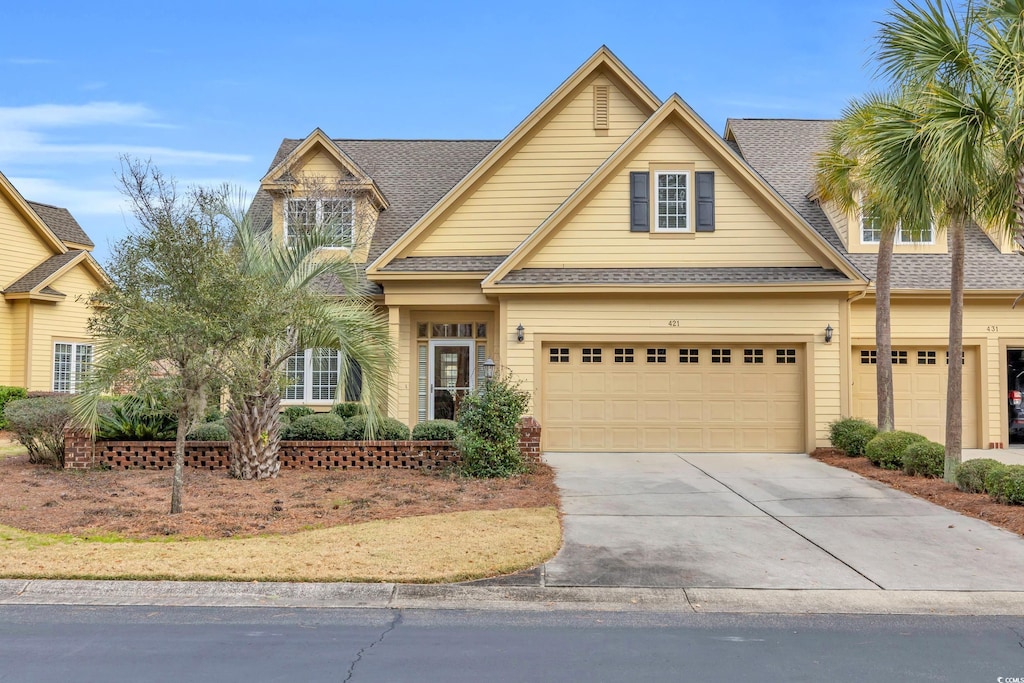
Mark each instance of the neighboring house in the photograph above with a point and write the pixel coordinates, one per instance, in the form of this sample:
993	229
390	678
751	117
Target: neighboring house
46	276
653	285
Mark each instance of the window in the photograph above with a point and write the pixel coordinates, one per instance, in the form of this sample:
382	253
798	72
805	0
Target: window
870	227
899	357
869	357
623	355
785	356
723	356
71	362
591	355
689	356
755	356
558	355
313	376
657	355
334	215
926	358
871	231
673	207
918	236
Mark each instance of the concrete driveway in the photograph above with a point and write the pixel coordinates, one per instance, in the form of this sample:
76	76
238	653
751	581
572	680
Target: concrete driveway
763	521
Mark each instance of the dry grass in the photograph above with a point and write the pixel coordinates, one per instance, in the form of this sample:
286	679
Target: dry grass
437	548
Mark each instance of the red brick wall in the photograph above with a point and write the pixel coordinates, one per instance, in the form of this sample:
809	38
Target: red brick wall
78	451
529	439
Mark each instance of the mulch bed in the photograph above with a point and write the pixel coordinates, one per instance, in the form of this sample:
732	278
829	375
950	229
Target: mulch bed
978	505
135	503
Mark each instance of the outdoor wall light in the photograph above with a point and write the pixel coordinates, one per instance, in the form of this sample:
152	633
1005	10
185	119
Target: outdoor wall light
520	331
488	366
828	334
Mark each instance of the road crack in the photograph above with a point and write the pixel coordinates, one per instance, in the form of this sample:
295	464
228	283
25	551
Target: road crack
359	655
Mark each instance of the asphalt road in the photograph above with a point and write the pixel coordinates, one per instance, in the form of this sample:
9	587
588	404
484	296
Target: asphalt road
56	643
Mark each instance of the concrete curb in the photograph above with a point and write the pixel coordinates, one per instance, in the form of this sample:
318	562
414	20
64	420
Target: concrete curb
508	598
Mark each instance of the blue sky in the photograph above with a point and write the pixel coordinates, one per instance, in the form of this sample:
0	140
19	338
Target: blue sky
208	89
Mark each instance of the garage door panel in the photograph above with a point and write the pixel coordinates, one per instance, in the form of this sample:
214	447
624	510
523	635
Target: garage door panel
673	405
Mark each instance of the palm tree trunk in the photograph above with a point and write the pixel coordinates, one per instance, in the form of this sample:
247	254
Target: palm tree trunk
955	368
255	430
178	478
883	334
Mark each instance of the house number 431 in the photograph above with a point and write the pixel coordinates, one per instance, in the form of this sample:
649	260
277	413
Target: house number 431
992	328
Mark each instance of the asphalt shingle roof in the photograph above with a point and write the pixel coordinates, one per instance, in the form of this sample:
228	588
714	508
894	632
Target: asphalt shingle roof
783	152
689	276
38	274
62	223
465	264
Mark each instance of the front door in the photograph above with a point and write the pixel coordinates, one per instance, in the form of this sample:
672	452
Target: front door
452	376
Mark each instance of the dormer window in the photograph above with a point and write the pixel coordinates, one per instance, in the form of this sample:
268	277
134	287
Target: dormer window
871	231
332	214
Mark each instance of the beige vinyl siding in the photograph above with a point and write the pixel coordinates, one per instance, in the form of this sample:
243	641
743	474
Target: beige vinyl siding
23	248
523	190
598	235
796	319
62	321
840	221
13	336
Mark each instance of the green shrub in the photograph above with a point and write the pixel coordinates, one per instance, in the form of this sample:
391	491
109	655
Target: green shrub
214	414
293	413
349	409
1009	488
9	394
925	459
435	430
315	427
851	435
994	477
886	450
488	429
137	418
39	424
386	429
209	431
970	474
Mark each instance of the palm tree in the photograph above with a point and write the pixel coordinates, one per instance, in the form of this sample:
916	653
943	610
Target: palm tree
875	144
290	312
932	51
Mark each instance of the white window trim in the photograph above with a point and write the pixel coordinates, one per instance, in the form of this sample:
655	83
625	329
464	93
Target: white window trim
320	217
656	204
307	384
899	236
73	366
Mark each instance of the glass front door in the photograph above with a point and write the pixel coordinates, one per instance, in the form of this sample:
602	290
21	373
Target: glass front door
451	376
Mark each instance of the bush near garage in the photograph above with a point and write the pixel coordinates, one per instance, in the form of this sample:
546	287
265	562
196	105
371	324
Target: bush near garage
886	450
39	424
970	474
488	429
435	430
925	459
851	435
1009	487
994	478
8	394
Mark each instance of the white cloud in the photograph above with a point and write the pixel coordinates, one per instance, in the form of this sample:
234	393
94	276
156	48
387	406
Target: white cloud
77	200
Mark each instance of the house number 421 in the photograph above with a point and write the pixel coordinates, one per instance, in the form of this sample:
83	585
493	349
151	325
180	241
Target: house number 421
673	323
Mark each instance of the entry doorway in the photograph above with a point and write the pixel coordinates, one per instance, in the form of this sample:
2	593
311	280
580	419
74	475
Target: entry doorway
1015	397
452	376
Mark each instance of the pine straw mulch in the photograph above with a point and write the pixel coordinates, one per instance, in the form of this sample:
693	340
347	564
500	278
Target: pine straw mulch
135	503
978	505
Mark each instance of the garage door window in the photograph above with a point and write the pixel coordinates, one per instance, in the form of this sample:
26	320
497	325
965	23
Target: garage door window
753	356
926	358
722	356
899	357
591	355
657	355
868	357
689	356
785	356
559	355
623	355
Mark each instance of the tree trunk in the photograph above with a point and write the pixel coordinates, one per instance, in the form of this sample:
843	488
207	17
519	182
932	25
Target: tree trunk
955	368
178	479
255	431
883	333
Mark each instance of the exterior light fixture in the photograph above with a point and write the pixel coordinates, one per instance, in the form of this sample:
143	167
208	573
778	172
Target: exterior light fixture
488	366
520	331
828	334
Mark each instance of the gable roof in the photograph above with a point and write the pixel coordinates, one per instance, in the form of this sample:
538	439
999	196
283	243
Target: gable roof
783	152
675	110
62	223
33	219
603	59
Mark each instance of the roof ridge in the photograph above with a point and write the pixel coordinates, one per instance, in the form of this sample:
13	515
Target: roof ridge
52	206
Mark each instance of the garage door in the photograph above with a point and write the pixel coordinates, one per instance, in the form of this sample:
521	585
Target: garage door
919	384
686	398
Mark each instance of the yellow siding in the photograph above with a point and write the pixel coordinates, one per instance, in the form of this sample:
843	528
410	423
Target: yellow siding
840	221
598	235
516	197
23	249
319	167
13	333
768	318
63	321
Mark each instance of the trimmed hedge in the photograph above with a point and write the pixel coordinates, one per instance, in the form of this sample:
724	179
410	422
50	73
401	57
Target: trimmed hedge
886	450
9	394
994	477
387	429
925	459
315	427
970	475
293	413
39	424
851	435
1008	488
349	409
209	431
435	430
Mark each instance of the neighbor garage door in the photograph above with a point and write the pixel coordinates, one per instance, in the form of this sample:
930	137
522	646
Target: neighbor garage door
919	383
688	398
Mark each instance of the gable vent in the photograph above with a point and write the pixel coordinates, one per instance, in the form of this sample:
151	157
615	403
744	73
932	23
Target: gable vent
600	107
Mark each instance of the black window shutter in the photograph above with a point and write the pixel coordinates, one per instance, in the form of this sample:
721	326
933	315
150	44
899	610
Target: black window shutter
705	201
639	201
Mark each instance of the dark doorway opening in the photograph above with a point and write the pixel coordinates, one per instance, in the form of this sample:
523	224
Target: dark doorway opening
1015	397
